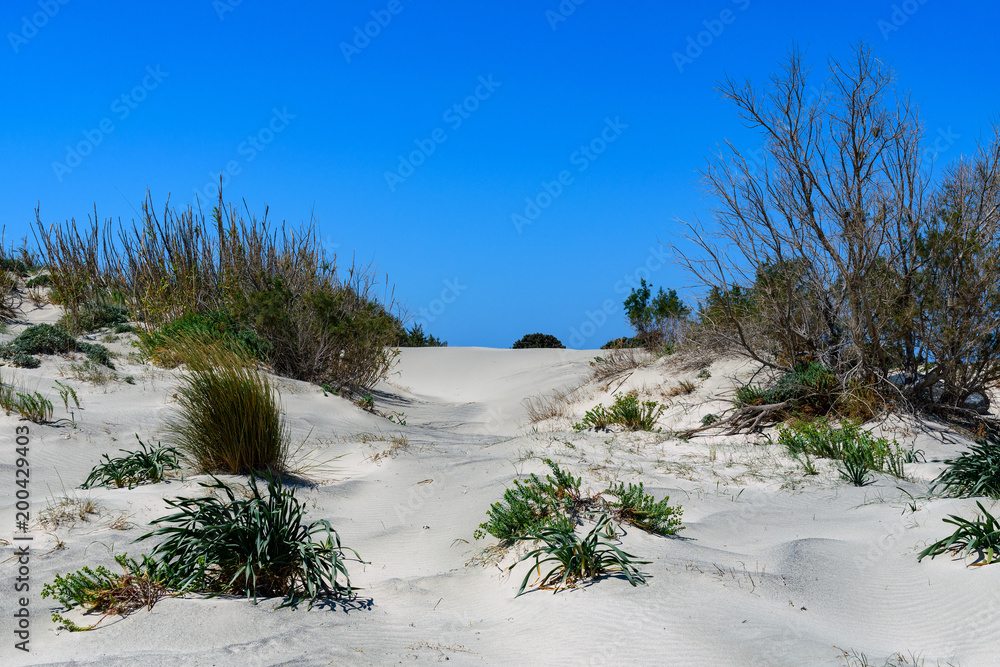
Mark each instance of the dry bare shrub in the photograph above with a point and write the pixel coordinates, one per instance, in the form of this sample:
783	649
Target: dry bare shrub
838	247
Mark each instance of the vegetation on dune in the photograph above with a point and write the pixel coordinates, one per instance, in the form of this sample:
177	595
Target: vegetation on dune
626	411
415	337
148	465
537	340
247	281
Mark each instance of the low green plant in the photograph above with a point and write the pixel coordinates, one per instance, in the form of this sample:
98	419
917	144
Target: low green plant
974	473
574	559
709	419
33	407
627	411
48	339
259	545
229	416
849	443
811	389
532	505
215	326
148	465
99	590
23	360
639	508
980	535
704	374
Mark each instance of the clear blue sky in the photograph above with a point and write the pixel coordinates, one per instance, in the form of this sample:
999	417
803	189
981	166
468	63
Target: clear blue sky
166	95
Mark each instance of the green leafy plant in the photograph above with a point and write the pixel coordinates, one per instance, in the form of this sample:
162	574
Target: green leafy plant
533	504
258	545
99	590
639	508
974	473
855	469
537	340
48	339
709	419
146	466
214	326
810	389
41	280
574	559
229	416
981	535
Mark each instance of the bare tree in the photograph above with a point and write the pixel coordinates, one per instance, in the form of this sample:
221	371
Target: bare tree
834	246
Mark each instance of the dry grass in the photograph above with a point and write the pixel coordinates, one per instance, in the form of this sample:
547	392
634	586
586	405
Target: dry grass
618	361
67	510
397	444
683	388
541	408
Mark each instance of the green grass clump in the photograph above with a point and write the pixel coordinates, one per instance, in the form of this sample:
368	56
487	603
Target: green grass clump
638	508
41	280
574	559
258	545
980	535
627	411
96	314
229	417
146	466
857	449
974	473
141	585
532	505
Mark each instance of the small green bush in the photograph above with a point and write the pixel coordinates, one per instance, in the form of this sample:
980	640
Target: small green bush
974	473
623	343
638	508
538	340
229	417
576	559
14	266
811	389
41	280
141	585
415	337
532	505
627	411
23	360
212	327
258	545
146	466
48	339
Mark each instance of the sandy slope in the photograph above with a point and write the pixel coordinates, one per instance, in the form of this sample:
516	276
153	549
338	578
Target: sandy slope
773	568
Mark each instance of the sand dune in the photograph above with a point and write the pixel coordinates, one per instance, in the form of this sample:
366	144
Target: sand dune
772	567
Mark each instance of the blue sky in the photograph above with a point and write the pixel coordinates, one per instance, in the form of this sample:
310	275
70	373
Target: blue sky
423	146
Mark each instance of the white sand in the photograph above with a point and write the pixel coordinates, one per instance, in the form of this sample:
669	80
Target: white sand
772	568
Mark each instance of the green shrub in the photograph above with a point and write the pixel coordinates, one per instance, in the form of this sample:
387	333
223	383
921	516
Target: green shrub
14	266
23	360
574	559
981	535
623	343
141	585
538	340
811	389
638	508
48	339
974	473
626	411
532	505
229	417
415	337
41	280
146	466
212	326
258	545
709	419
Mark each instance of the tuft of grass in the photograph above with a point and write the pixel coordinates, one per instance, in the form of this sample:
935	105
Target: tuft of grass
68	509
627	411
974	473
258	545
229	417
617	361
682	388
980	535
541	408
140	585
640	509
574	559
146	466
